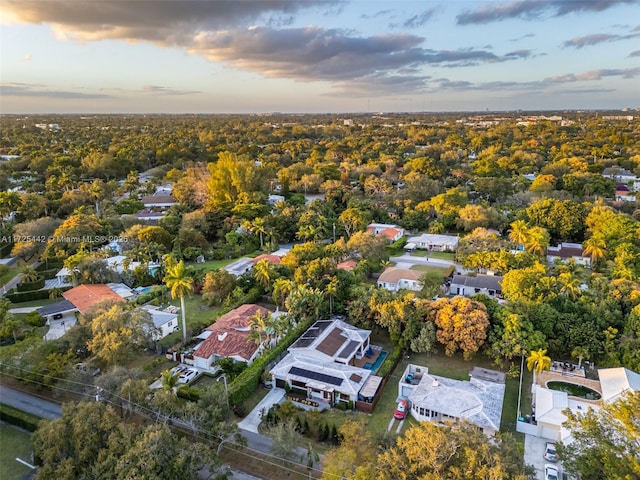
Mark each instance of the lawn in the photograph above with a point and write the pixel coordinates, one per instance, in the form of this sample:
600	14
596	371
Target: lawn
13	443
197	312
444	271
36	303
443	255
211	265
8	275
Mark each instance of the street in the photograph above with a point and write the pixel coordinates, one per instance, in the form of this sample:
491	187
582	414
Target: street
29	403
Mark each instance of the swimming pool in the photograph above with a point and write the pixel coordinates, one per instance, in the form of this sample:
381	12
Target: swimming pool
574	390
376	365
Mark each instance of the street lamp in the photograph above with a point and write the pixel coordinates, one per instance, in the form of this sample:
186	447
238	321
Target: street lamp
226	389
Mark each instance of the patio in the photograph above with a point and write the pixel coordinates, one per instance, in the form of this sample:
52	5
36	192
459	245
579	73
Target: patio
568	369
375	353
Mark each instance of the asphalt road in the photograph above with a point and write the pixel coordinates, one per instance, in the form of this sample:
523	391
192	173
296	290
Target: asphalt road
30	404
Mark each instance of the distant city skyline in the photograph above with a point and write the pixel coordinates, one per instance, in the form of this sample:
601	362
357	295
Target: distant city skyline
317	56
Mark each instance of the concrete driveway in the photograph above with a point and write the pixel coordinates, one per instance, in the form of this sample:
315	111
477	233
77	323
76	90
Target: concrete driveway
533	451
251	421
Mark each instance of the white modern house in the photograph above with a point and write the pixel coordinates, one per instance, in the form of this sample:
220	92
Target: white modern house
468	286
550	404
622	175
321	362
395	279
434	243
433	398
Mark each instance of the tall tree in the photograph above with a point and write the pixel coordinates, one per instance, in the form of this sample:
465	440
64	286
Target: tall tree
606	442
180	284
452	451
355	457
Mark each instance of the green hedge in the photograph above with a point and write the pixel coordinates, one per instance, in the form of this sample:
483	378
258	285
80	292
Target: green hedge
30	286
246	383
19	418
48	274
5	250
19	297
55	265
390	362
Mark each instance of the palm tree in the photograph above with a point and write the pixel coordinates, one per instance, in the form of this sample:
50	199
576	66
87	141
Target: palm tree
538	362
169	380
257	327
537	241
519	233
29	274
181	284
570	285
595	247
262	274
580	353
281	289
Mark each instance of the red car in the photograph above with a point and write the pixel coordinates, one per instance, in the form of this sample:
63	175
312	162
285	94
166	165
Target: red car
401	410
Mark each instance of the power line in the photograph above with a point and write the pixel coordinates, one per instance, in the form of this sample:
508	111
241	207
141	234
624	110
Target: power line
152	415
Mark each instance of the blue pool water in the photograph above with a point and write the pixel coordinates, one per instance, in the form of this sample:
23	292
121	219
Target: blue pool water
375	366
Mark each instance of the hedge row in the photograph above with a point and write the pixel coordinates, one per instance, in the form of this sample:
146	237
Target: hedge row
30	286
49	274
20	297
19	418
246	383
390	362
50	265
5	250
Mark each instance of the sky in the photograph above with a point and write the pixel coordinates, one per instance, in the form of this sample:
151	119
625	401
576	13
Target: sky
324	56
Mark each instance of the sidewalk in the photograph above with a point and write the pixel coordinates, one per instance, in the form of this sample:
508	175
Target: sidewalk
253	419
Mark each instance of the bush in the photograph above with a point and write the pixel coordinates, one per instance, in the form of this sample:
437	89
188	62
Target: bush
19	297
35	320
188	393
30	286
390	362
19	418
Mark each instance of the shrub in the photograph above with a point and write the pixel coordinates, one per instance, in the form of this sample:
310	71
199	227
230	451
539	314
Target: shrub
35	320
390	362
19	418
19	297
30	286
188	393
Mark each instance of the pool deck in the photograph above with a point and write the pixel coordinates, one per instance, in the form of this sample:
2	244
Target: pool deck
551	376
360	363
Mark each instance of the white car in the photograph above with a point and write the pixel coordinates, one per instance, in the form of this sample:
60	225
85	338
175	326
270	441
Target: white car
187	376
550	452
551	472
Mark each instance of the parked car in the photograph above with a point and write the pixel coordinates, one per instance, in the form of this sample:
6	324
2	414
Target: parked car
550	452
187	376
551	472
401	410
179	369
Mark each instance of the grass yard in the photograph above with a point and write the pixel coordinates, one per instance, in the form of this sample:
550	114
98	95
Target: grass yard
444	271
197	313
14	443
211	265
36	303
443	255
7	274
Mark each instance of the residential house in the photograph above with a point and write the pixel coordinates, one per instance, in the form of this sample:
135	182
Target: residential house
394	279
388	231
83	297
149	216
158	201
624	194
347	265
240	266
322	362
165	321
550	404
622	175
62	311
433	398
568	251
468	286
228	337
435	243
272	259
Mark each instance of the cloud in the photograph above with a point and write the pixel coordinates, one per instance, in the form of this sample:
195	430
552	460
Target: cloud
635	53
168	22
532	9
528	35
158	90
594	75
36	90
381	84
594	39
420	19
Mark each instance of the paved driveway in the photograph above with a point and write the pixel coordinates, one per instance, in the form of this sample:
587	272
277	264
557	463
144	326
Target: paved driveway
251	421
533	451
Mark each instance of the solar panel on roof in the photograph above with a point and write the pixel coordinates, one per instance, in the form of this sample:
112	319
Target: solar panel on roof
332	342
355	378
321	377
303	342
349	349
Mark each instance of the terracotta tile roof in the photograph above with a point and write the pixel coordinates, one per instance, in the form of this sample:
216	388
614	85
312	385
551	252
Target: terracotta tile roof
394	275
272	259
390	233
230	334
86	296
347	265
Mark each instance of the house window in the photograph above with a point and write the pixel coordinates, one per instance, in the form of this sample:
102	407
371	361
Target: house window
421	411
170	324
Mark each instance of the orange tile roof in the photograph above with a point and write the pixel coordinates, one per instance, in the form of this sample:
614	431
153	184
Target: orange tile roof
272	259
84	297
233	328
347	265
389	232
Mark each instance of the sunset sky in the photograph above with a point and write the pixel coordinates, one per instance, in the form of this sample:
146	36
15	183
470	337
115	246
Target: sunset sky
170	56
